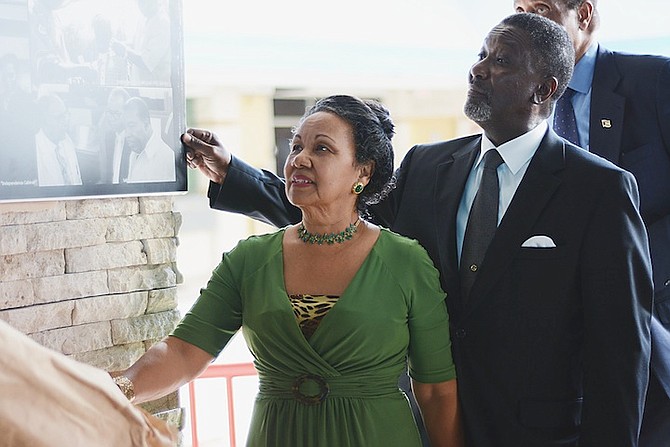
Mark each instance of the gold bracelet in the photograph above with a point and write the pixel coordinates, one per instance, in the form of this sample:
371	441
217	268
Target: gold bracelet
126	387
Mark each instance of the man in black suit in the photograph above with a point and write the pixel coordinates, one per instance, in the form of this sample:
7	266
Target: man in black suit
112	138
552	341
622	108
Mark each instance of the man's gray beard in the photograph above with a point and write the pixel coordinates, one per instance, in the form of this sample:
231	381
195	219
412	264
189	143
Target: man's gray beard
477	111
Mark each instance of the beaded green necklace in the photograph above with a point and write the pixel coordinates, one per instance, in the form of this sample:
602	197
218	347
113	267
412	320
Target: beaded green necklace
327	238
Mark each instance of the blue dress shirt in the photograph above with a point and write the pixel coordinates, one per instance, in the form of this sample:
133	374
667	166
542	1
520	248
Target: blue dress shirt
516	155
581	81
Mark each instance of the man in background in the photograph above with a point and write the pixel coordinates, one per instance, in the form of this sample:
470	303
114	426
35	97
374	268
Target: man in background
112	135
50	55
149	55
620	104
149	158
17	119
57	163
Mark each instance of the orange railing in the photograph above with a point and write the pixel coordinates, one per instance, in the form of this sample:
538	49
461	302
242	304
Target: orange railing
219	371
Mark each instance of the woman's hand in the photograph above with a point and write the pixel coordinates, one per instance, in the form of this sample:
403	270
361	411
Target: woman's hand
165	367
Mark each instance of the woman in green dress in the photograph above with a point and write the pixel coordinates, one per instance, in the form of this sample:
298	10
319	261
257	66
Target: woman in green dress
334	309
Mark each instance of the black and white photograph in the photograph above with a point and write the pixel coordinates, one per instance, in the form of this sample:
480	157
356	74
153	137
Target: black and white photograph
91	98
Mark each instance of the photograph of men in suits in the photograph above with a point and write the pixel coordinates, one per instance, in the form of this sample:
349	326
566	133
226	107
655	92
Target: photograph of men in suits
112	135
621	106
147	157
552	341
57	163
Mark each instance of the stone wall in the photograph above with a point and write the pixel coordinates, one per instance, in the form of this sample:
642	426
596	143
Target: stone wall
93	279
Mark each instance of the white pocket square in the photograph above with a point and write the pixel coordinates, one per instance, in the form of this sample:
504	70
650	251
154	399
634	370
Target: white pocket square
540	241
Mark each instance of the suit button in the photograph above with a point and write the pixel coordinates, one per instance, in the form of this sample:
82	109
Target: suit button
474	268
667	283
460	333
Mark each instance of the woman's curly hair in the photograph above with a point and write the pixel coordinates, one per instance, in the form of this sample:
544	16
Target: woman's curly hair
373	130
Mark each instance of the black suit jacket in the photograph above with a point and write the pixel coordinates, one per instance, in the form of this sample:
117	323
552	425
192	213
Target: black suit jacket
630	126
552	347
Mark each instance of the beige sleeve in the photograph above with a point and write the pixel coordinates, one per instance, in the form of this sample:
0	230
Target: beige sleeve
49	399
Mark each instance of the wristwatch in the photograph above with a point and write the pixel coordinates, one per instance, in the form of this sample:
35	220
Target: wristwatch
126	387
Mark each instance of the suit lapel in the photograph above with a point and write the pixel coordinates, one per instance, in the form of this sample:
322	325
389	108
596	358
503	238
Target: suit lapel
607	109
449	184
536	189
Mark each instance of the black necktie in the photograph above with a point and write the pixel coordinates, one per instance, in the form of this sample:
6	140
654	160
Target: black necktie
125	164
482	222
565	123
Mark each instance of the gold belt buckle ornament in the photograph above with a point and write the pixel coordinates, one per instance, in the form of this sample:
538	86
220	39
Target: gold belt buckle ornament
313	399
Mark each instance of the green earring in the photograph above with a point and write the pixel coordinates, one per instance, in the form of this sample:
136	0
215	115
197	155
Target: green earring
357	188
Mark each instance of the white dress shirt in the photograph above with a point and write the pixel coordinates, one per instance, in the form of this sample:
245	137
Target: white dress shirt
516	155
119	140
156	163
50	170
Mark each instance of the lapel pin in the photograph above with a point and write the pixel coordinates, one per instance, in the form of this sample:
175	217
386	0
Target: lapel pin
607	124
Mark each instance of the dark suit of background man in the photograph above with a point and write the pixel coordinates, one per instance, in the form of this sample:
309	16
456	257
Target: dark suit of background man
552	344
622	107
112	137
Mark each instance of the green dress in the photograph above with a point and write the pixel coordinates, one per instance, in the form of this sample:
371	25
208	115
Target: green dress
340	388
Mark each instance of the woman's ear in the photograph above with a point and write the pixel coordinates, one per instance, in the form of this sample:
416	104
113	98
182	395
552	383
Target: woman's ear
365	171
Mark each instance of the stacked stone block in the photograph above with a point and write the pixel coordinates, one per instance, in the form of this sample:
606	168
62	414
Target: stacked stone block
93	279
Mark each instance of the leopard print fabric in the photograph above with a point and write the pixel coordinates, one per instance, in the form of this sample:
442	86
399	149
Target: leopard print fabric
309	310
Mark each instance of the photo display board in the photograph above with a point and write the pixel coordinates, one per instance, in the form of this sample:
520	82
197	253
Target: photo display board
91	99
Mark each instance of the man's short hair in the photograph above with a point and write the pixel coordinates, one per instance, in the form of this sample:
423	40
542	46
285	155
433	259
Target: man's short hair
138	106
572	4
550	45
46	104
119	92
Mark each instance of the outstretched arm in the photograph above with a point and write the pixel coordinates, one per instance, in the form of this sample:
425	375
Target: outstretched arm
236	186
165	367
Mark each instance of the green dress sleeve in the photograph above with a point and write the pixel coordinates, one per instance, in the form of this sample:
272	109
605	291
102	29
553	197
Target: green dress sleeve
217	313
430	358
